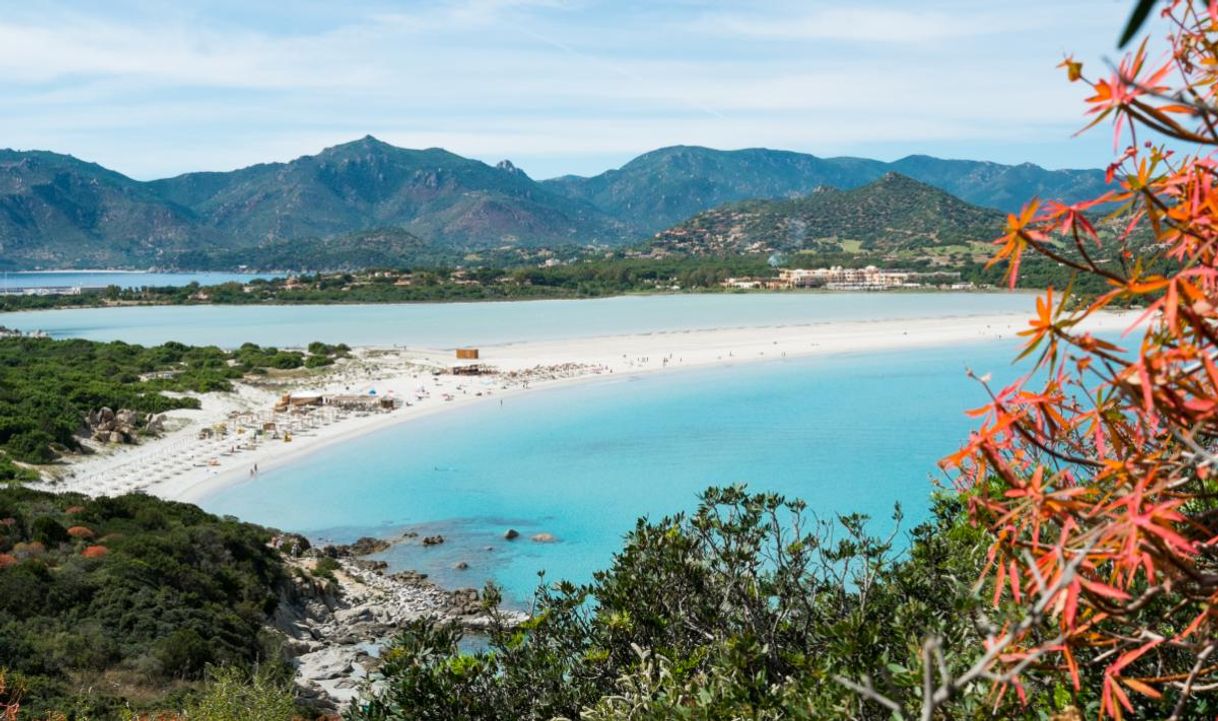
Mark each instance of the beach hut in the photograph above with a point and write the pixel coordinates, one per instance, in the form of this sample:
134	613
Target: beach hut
467	354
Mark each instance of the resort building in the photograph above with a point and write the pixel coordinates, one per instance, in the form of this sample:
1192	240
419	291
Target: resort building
867	278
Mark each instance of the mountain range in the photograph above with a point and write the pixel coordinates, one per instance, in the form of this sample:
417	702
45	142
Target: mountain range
368	201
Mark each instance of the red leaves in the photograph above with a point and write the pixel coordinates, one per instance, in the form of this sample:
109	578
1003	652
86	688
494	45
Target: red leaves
1020	231
1094	473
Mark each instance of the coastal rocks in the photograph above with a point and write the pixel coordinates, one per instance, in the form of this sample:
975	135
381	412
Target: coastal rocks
291	544
544	538
365	546
331	628
107	426
433	540
460	566
511	534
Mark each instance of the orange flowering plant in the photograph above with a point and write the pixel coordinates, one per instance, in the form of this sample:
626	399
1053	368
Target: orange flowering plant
1096	472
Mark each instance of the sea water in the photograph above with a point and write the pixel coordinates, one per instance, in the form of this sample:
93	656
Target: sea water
847	433
447	325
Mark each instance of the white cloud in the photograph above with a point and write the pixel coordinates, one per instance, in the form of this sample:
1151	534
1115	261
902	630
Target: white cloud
885	25
165	93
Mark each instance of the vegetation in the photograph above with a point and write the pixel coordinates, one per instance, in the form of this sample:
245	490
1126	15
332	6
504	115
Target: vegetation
663	187
371	204
747	608
892	214
48	387
1094	474
107	603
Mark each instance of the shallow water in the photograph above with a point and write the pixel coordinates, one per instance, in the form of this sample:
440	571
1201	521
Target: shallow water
447	325
123	279
846	433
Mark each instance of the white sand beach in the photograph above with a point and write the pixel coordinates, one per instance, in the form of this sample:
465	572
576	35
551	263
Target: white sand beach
180	465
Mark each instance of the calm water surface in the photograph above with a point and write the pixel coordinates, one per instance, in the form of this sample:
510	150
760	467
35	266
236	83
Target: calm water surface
446	325
847	433
123	279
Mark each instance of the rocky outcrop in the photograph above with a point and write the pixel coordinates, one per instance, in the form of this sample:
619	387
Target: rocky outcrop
334	628
107	426
365	546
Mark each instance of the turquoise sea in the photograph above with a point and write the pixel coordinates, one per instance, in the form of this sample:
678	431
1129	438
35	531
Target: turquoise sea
846	433
446	325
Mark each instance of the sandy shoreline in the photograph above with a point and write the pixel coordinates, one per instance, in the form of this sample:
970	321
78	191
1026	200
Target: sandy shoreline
180	466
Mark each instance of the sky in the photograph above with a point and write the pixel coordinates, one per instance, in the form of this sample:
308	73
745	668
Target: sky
155	89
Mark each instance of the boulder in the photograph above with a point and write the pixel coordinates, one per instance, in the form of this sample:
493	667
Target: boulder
511	534
544	538
368	545
433	540
291	544
460	565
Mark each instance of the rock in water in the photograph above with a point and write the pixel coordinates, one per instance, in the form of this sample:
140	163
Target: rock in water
544	538
511	534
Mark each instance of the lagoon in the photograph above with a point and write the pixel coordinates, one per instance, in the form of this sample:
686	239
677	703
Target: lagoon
447	325
120	278
848	433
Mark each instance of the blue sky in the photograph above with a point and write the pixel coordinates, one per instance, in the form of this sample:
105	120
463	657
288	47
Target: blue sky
558	86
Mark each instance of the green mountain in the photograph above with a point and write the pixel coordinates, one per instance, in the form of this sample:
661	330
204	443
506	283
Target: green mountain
369	203
56	210
367	184
375	248
666	186
364	202
895	214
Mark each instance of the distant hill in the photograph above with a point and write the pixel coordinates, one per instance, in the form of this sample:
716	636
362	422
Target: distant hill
666	186
368	202
893	214
370	184
56	210
376	248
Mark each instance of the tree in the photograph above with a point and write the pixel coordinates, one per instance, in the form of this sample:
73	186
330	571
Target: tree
745	608
1094	473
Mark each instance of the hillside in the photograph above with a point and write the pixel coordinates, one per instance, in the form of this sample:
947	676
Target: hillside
110	603
375	248
666	186
370	203
366	184
891	215
55	209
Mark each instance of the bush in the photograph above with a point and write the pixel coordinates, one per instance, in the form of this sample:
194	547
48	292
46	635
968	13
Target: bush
745	609
172	590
